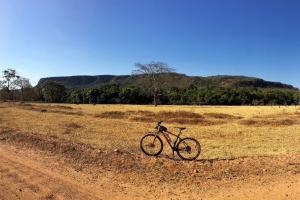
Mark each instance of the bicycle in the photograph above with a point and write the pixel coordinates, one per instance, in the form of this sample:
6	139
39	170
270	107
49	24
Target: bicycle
187	148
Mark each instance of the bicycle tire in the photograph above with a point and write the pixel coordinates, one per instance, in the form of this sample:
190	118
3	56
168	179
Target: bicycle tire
180	152
155	138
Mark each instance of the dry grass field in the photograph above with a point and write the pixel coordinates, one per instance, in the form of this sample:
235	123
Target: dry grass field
238	143
224	132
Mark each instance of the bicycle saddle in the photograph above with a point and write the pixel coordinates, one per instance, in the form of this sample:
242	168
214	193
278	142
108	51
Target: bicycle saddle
180	128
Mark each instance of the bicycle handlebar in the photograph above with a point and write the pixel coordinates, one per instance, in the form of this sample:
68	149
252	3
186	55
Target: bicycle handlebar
158	124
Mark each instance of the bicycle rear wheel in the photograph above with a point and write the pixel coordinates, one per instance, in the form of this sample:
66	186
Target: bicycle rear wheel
151	145
188	149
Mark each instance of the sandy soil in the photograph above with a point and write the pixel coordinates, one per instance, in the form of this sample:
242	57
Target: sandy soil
29	172
24	174
25	179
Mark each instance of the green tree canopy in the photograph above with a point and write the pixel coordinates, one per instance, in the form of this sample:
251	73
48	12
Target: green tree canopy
53	92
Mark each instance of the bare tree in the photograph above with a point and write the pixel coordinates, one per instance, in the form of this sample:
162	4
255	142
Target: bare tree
9	76
154	71
22	83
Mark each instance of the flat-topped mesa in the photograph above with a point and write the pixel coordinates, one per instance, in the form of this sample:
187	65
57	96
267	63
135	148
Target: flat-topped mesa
172	80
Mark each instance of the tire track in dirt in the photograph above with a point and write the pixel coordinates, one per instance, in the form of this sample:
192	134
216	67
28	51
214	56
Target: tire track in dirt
20	179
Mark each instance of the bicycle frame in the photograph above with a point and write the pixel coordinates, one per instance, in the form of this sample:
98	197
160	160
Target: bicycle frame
178	138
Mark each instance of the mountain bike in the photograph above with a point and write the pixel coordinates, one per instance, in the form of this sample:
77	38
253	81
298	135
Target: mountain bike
187	148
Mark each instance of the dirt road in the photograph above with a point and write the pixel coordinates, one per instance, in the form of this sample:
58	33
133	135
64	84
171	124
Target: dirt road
26	174
24	179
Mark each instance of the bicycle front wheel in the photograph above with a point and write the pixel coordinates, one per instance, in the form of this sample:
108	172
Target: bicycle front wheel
188	149
151	145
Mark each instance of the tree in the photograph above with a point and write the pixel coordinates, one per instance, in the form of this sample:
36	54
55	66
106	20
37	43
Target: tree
22	83
2	92
53	92
76	96
9	76
296	98
129	95
154	71
1	85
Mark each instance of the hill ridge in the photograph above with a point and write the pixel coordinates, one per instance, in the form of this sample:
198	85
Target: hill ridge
172	80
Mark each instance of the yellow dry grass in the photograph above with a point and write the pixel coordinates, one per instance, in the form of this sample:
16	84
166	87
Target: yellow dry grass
223	131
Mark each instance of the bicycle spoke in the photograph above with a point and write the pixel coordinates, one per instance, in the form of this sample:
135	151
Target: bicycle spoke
188	149
151	145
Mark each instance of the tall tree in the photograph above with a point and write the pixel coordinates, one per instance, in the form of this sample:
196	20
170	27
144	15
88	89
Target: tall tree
154	71
1	85
22	83
2	92
9	76
53	92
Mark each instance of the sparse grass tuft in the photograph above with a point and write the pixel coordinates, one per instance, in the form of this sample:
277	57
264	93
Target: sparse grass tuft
71	127
178	117
77	113
148	116
111	115
179	114
269	122
141	112
48	108
221	116
171	117
26	104
297	113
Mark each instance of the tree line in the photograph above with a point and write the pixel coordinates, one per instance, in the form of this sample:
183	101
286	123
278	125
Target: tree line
15	87
114	94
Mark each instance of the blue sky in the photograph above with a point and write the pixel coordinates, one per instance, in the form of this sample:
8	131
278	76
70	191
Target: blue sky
259	38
